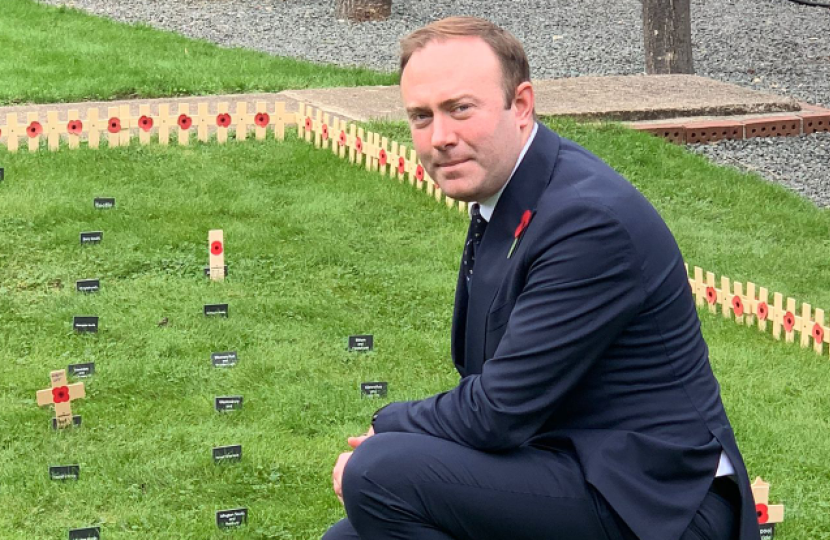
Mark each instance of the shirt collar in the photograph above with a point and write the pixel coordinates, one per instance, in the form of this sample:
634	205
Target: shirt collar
487	207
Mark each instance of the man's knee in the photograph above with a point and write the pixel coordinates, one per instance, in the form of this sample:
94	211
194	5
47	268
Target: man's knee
376	464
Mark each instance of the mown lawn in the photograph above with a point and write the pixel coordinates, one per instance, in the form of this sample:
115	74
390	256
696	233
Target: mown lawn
59	54
317	250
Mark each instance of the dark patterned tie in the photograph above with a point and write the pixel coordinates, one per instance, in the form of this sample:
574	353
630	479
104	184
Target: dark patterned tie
477	226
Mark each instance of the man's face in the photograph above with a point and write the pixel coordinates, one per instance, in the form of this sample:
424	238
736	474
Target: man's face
466	139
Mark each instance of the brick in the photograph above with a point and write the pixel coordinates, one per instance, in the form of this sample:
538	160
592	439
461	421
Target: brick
781	126
674	133
706	132
815	122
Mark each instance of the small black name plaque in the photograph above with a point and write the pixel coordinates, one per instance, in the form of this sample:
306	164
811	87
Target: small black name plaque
226	454
104	203
76	422
219	310
224	359
767	531
65	472
93	237
90	533
374	389
364	342
81	370
227	519
88	285
85	325
228	403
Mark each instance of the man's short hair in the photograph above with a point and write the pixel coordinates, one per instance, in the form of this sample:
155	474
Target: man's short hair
514	65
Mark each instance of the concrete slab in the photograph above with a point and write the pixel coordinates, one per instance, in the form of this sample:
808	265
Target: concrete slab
623	98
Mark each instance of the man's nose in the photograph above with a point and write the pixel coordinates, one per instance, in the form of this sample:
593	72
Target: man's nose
443	132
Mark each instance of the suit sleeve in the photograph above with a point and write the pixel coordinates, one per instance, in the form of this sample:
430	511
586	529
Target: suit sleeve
583	286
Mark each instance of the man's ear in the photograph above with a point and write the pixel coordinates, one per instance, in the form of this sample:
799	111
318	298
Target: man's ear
525	102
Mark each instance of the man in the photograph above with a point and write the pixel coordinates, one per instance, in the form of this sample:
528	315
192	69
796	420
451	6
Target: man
587	408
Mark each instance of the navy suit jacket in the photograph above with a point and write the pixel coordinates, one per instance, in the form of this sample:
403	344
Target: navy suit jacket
586	339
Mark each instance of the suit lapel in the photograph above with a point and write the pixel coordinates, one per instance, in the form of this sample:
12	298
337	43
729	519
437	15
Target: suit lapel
522	193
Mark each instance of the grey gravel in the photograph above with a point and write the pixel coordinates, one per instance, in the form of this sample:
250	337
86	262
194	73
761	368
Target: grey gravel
769	45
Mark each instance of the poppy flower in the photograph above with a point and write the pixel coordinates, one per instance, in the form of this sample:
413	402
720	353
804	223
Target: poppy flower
342	138
216	248
75	127
185	121
401	165
419	173
711	295
763	311
737	305
308	123
262	119
114	125
223	120
382	157
34	129
60	394
818	333
358	145
763	513
789	321
145	123
520	230
325	132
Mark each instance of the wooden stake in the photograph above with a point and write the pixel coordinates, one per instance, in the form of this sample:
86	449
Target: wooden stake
216	248
34	142
203	121
222	132
184	134
164	124
13	132
144	136
279	121
763	296
53	130
71	138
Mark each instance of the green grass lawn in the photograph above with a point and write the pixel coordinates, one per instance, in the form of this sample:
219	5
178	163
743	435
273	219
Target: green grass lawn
318	250
54	54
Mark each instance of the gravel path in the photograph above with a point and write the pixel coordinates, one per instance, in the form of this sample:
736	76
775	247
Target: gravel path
769	45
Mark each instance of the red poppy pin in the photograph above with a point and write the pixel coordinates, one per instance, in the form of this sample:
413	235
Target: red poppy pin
185	122
60	394
520	230
223	120
262	119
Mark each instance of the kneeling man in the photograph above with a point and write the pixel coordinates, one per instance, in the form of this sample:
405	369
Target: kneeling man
587	408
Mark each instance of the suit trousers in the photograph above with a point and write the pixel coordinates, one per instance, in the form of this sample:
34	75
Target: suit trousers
417	487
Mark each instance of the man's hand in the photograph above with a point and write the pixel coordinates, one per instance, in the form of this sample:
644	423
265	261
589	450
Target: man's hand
354	442
337	474
342	459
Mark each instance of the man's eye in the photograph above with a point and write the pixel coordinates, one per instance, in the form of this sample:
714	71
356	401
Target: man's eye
462	108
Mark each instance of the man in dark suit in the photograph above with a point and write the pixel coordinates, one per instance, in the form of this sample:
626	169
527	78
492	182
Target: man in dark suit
587	408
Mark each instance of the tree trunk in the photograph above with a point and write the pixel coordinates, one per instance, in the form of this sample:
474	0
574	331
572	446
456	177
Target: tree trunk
667	28
363	10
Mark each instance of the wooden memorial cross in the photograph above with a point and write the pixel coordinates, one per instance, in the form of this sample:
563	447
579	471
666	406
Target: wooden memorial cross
216	239
768	514
61	395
